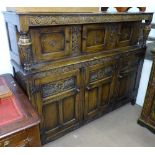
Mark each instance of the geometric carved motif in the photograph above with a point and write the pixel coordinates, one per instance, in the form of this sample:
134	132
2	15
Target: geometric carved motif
57	87
76	66
76	36
66	19
99	74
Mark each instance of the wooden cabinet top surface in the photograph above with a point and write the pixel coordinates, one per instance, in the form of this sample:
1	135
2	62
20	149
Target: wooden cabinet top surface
24	20
27	116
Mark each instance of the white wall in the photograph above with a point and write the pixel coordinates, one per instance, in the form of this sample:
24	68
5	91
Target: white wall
5	65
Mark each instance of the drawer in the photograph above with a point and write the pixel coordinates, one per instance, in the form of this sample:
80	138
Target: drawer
28	137
18	139
50	43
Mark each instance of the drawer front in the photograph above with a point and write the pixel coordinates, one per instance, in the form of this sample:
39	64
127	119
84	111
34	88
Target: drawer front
59	98
128	34
18	139
29	137
50	43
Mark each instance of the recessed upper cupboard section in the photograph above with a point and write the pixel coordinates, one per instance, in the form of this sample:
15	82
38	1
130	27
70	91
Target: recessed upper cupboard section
57	42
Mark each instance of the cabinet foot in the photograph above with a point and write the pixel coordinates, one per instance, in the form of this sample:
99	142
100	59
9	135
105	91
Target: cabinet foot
133	102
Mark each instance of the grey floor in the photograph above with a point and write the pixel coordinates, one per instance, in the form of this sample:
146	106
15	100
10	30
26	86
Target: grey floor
118	128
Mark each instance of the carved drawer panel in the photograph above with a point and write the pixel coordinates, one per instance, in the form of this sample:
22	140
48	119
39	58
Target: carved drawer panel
128	34
51	43
59	96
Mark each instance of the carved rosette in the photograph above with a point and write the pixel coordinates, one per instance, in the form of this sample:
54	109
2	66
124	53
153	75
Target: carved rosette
25	47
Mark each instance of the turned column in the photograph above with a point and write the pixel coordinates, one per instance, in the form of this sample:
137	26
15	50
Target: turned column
146	31
25	47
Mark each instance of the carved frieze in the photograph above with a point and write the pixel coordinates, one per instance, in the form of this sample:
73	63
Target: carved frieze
59	19
57	87
76	66
99	74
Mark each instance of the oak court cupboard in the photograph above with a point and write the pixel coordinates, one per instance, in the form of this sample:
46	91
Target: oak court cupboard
75	67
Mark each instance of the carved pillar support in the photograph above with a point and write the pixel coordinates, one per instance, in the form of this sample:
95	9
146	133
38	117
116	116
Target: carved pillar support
25	47
146	31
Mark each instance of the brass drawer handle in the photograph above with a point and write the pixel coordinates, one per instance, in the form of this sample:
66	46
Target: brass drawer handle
6	143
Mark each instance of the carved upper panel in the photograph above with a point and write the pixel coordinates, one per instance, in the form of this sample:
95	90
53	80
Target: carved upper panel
59	19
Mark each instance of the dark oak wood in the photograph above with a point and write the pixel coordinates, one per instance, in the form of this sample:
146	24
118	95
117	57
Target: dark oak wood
147	117
77	67
25	131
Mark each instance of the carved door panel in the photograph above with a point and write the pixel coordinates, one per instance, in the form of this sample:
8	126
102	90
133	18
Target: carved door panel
98	89
59	96
128	34
52	42
128	77
94	37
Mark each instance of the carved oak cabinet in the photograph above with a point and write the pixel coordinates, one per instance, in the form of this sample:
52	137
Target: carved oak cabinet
76	67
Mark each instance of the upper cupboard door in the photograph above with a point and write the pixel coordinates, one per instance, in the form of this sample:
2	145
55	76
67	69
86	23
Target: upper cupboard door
50	43
94	37
128	34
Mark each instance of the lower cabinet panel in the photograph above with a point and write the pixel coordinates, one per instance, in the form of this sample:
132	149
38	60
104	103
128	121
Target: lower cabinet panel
59	117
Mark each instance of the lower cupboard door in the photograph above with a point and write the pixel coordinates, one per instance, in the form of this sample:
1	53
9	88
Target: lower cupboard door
59	116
